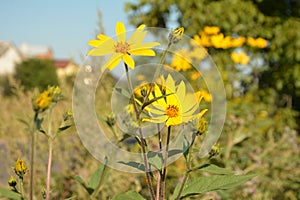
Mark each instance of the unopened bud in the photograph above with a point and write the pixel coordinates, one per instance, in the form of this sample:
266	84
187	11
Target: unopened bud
176	35
12	182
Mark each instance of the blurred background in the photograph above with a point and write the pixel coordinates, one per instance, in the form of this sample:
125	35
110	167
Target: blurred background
44	43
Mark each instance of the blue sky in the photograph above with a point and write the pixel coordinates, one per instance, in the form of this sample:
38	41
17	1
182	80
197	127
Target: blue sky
64	25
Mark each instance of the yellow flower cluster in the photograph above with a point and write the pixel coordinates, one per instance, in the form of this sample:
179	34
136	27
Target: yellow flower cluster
182	59
240	57
211	37
258	43
44	99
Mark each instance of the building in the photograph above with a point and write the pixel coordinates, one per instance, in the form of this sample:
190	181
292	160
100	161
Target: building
36	51
9	57
65	67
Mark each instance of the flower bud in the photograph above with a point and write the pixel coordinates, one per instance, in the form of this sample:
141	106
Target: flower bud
215	150
20	168
176	35
110	120
12	182
201	126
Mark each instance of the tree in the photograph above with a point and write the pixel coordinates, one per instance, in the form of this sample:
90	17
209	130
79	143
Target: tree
36	73
278	22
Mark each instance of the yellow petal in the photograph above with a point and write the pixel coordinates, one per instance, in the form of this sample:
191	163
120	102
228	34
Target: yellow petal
170	83
106	47
136	34
146	45
181	91
173	121
128	60
141	37
142	52
102	37
155	120
121	32
94	43
112	62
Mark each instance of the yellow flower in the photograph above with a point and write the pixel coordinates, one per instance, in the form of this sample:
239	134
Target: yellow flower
43	100
259	42
240	57
211	30
237	42
217	40
203	94
181	60
176	107
122	49
204	40
20	168
195	75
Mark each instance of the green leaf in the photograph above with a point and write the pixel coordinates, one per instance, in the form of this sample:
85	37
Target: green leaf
96	177
65	127
123	92
210	183
125	137
10	194
155	159
174	152
130	195
24	122
214	169
136	165
83	183
186	147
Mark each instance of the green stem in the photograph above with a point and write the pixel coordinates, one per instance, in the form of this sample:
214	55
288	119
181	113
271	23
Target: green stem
149	182
164	173
32	156
21	186
98	188
50	151
188	168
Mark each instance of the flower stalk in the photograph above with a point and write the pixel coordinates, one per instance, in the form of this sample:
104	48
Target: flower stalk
149	182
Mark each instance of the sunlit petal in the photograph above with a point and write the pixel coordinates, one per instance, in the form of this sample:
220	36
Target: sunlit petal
128	60
104	48
146	45
142	52
136	34
121	32
112	62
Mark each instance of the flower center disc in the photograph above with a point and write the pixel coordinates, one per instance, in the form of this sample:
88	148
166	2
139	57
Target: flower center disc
172	111
122	48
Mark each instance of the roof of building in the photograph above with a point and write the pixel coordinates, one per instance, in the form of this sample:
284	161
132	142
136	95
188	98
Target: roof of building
60	64
5	45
